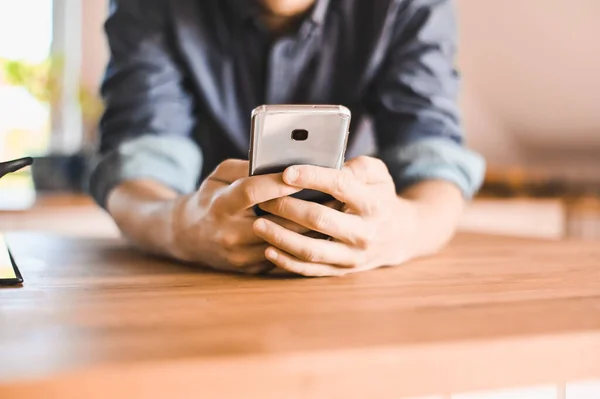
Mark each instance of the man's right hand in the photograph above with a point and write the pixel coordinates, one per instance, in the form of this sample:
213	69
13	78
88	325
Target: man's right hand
212	226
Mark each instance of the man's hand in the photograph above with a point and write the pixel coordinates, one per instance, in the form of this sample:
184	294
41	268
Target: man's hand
214	225
375	227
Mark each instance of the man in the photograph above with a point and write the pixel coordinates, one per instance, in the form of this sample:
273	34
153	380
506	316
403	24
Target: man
183	78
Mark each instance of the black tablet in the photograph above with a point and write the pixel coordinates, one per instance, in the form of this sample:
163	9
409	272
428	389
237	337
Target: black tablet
9	273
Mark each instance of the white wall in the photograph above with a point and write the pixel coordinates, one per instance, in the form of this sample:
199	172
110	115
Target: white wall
532	82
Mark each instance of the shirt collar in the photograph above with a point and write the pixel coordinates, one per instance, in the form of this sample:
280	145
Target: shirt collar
251	10
319	11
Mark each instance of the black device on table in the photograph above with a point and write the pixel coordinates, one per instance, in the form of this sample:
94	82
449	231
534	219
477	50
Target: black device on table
287	135
9	273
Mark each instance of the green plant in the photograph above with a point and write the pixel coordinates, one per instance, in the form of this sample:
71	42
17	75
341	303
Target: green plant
41	81
36	78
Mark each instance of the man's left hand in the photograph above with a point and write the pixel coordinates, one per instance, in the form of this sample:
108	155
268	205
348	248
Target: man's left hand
373	228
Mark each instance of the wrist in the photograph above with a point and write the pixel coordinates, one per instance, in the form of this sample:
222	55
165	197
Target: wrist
152	228
167	221
428	239
435	209
142	210
176	224
410	225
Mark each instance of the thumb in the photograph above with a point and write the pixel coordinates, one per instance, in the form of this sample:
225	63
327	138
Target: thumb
230	171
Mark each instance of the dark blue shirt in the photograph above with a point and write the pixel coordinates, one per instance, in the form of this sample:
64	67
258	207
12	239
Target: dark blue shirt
184	76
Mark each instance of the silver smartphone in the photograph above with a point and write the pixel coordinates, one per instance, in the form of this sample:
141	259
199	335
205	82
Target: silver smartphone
286	135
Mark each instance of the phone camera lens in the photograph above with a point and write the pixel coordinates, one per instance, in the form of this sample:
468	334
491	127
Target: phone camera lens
299	135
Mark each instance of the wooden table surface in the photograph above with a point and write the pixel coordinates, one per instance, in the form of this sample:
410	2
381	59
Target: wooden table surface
78	215
95	319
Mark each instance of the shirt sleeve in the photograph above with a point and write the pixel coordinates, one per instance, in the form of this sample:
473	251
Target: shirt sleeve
145	132
414	101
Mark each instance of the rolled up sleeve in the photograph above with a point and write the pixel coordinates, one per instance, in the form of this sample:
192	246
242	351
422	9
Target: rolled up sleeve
414	101
174	162
436	159
145	132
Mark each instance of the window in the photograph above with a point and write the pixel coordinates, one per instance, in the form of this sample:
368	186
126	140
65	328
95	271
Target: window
40	51
25	42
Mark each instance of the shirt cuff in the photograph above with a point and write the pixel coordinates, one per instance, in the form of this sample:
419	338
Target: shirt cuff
172	161
436	159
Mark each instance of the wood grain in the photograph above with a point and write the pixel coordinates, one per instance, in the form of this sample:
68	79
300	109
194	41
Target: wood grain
490	312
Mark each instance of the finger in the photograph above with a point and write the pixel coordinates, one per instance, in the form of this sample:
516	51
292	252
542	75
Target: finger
246	257
305	248
369	170
240	235
290	225
230	170
341	184
244	193
335	204
294	265
243	235
317	217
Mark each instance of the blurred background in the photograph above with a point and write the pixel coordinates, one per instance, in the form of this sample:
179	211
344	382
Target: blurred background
530	100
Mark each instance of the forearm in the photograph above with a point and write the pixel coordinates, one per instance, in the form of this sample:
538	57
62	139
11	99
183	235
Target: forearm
439	205
143	211
437	176
138	182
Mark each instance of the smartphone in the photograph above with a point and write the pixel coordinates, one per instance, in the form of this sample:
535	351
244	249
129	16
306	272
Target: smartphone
287	135
9	274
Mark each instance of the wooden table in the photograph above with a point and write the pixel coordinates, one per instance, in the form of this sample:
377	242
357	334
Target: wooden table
78	215
66	214
95	319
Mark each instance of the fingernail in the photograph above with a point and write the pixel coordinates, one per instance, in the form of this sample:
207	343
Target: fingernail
271	254
291	174
260	225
